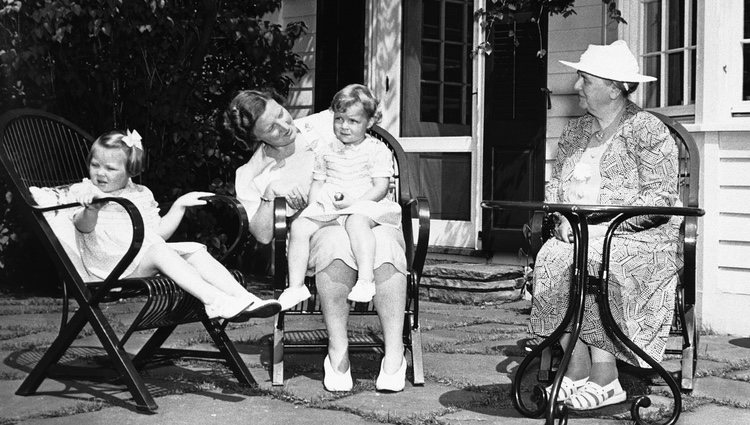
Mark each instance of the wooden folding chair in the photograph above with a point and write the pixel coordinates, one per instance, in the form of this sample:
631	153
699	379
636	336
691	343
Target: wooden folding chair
412	207
686	322
38	149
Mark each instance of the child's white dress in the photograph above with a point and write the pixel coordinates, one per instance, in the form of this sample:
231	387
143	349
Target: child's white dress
103	248
350	169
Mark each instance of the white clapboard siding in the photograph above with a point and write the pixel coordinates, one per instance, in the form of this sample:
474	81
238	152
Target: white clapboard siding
733	281
568	38
734	172
734	254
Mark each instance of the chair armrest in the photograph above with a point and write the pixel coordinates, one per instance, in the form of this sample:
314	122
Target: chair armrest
135	244
418	207
280	231
243	224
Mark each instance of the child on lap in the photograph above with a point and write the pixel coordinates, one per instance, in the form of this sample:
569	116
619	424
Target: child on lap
351	178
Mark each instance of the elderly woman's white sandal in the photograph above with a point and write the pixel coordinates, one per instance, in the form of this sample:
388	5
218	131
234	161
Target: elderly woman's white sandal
593	396
568	387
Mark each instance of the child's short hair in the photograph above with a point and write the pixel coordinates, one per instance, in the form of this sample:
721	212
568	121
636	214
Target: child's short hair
356	93
113	140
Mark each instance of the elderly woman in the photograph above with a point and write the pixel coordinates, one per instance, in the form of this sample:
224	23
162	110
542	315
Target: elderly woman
615	154
282	167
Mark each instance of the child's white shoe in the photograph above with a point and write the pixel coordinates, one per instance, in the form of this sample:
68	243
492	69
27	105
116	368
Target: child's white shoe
293	296
263	308
227	307
362	292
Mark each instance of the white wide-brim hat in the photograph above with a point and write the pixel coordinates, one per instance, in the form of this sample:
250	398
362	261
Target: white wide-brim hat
614	62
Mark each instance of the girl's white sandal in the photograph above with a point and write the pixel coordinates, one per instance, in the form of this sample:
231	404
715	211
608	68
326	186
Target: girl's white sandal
593	396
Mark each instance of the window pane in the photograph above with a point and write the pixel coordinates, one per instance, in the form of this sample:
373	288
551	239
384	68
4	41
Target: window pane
651	90
429	102
653	26
694	23
747	19
675	79
430	60
452	104
676	23
453	70
746	72
454	22
692	76
431	19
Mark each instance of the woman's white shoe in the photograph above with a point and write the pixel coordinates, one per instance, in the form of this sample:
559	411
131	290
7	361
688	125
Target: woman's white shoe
568	387
334	381
593	396
394	382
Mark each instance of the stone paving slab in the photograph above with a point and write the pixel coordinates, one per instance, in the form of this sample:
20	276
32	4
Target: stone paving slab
460	389
212	408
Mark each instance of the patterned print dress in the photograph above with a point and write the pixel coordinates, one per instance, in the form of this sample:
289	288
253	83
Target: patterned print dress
639	167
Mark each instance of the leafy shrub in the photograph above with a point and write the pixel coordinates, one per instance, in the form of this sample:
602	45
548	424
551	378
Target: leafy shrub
165	68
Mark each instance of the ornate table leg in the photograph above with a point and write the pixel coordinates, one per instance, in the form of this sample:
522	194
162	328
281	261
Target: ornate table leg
611	325
549	406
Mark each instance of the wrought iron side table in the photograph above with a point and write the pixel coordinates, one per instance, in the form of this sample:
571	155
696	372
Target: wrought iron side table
578	216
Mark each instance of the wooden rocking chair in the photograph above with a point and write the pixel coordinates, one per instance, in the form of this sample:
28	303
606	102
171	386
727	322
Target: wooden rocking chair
38	149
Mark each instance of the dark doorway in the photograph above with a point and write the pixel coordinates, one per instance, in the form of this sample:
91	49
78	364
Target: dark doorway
339	48
515	123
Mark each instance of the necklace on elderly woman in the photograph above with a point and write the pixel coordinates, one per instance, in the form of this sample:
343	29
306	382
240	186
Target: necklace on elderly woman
610	129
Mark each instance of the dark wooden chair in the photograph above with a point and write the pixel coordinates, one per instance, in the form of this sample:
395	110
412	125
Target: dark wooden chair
686	323
38	149
412	207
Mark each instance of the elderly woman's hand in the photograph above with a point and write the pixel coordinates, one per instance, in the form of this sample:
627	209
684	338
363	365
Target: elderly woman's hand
563	231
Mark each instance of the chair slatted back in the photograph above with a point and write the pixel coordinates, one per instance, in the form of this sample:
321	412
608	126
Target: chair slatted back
688	184
40	149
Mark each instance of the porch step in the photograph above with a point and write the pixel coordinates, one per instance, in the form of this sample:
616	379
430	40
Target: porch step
470	282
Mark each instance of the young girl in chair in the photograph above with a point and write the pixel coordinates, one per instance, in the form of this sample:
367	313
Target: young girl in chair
104	232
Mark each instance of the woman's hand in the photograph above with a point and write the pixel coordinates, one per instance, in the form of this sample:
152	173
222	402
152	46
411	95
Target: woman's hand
295	194
563	230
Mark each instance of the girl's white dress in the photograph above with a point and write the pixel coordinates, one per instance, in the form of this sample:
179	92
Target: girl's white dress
349	169
103	248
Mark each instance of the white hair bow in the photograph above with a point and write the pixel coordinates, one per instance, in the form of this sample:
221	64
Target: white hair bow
132	139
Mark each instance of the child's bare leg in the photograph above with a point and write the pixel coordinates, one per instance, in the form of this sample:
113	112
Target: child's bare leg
160	257
359	229
216	274
362	241
298	254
